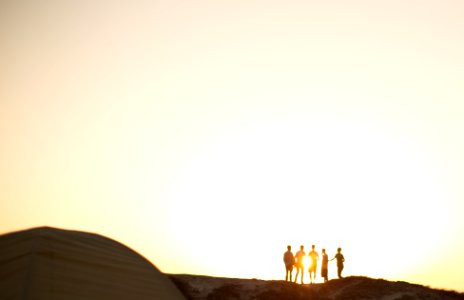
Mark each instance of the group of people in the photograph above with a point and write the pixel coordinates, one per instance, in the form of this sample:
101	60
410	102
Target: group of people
297	261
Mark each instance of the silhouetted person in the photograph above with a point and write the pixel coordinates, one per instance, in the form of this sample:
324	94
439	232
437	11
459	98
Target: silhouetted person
300	255
289	261
340	260
314	256
325	266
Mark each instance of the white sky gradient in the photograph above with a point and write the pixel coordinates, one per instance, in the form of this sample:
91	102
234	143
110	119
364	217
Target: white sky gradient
208	135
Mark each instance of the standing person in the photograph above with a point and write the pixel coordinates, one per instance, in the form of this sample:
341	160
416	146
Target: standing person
289	261
314	256
340	260
300	255
325	266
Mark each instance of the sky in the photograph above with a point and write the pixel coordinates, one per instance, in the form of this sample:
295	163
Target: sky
209	135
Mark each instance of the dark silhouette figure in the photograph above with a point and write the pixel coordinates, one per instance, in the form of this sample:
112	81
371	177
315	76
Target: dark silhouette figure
300	255
289	261
325	266
340	260
314	256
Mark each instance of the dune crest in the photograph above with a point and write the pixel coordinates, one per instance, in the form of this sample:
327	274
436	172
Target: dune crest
49	263
356	287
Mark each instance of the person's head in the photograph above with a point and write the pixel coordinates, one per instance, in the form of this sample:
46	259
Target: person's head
339	250
289	247
313	246
301	247
323	250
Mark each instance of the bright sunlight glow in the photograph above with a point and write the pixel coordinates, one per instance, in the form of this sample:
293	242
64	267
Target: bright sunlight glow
324	182
209	135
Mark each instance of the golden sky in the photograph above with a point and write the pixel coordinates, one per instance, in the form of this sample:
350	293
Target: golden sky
208	135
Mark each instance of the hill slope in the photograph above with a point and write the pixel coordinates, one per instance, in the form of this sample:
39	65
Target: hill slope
350	288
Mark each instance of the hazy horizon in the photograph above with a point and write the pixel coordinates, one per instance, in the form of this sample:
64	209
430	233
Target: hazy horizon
209	135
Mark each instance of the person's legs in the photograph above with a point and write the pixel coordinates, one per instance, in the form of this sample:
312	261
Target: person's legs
324	274
340	269
288	273
314	272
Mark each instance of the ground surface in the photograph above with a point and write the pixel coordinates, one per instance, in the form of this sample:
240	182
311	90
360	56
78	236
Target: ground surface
350	288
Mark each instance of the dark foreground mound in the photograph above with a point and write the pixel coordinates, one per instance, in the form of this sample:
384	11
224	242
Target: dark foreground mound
350	288
50	263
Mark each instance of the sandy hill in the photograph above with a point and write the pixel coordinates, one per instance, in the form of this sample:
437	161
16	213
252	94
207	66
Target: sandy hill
350	288
47	263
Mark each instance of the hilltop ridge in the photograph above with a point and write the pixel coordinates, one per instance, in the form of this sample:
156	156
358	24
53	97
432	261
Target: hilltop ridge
196	287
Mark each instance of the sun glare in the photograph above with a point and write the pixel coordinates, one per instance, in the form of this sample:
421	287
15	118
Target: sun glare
326	183
216	133
307	263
